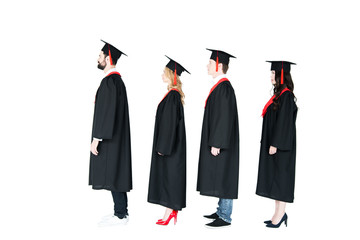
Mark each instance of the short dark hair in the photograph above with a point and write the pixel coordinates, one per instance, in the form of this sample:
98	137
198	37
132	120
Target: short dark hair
225	68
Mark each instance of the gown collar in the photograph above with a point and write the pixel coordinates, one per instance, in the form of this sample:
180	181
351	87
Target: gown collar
172	89
215	80
111	71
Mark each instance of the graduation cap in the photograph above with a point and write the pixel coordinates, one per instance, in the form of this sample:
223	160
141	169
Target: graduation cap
282	66
176	68
220	57
112	51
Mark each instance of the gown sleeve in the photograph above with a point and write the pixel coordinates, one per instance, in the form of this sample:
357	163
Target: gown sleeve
283	132
222	118
167	126
105	110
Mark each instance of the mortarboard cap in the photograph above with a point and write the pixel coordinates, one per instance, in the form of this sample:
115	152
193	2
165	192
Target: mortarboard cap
176	68
112	51
220	57
277	65
282	66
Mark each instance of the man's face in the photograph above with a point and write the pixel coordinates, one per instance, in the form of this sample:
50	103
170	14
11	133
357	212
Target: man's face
211	67
101	61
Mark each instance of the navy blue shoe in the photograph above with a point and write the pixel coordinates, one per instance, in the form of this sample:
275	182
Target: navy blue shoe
283	219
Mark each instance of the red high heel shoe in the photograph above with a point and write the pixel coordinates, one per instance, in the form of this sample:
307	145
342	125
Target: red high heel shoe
173	214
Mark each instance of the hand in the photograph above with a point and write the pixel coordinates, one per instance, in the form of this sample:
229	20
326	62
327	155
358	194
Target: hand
215	151
160	154
272	150
93	147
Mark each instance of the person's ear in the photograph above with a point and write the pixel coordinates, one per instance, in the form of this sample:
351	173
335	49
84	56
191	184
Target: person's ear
220	67
107	59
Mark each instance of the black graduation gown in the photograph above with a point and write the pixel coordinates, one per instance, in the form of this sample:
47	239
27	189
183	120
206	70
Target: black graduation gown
167	184
218	176
276	176
111	168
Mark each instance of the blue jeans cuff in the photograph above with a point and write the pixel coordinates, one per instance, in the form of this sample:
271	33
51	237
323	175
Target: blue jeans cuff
224	219
225	209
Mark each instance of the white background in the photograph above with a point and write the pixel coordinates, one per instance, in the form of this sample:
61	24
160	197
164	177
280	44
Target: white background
49	78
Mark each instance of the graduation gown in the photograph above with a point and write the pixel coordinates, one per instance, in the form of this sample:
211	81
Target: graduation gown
167	184
218	175
111	168
276	176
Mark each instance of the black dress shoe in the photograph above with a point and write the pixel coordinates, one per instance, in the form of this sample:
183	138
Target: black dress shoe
218	223
212	216
283	219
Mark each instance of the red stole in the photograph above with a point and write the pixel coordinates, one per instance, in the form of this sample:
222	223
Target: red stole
113	73
213	88
271	101
168	93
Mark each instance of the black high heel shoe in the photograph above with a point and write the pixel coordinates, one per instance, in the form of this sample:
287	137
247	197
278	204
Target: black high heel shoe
267	222
283	219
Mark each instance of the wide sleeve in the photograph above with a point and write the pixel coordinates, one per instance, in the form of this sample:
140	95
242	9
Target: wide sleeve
105	110
283	132
167	126
222	117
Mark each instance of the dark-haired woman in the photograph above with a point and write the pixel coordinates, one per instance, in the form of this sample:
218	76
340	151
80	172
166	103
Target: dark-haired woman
276	176
167	185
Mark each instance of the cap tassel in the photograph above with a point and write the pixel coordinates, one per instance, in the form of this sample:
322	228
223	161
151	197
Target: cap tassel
217	61
175	83
111	62
282	73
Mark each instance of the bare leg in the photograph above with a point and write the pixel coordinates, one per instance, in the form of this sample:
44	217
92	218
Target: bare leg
279	211
276	210
167	213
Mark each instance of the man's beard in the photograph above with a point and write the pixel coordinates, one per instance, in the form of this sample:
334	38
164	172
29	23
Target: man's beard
102	65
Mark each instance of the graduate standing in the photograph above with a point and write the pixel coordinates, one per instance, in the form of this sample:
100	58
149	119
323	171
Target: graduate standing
110	158
218	171
167	184
276	177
